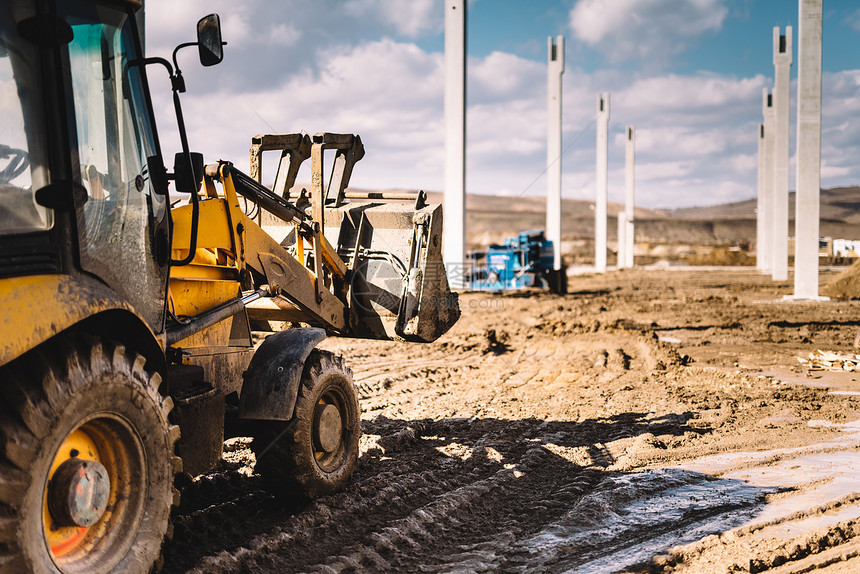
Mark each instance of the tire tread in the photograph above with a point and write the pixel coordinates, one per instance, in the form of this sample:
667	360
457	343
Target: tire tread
55	372
284	466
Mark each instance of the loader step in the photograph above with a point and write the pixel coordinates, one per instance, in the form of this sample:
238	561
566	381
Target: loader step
187	384
197	392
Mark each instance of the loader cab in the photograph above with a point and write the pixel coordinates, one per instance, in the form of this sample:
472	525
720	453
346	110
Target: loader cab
82	185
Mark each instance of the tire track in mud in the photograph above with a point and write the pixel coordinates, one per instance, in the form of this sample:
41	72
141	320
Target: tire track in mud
416	517
629	518
779	546
788	535
479	475
497	502
576	445
219	510
373	376
443	494
473	527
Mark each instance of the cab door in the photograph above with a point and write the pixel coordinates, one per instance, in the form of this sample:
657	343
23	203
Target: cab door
122	222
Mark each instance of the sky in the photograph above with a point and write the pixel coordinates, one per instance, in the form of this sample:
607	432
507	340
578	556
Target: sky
687	74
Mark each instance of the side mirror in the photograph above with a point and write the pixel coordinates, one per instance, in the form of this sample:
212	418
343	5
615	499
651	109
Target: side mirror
209	40
188	177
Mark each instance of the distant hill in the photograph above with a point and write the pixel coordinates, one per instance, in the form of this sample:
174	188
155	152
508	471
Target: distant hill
492	218
837	204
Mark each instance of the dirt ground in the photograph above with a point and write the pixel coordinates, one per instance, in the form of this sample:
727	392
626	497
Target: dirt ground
650	421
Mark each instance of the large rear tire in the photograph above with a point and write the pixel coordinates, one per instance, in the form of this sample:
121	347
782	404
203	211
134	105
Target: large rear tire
315	453
86	461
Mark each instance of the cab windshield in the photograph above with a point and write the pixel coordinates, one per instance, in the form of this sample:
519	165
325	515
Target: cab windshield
23	153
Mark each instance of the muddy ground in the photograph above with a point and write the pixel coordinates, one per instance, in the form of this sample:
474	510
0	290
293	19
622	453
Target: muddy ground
649	421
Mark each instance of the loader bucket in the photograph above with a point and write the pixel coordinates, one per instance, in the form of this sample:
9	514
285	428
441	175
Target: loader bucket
398	287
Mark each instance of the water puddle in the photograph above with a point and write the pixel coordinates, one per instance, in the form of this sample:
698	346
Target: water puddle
837	382
630	518
831	467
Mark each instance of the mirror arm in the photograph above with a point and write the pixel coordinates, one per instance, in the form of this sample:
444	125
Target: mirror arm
195	199
178	85
155	60
176	50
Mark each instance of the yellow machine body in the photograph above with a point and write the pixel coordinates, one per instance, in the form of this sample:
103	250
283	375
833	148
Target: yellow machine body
37	307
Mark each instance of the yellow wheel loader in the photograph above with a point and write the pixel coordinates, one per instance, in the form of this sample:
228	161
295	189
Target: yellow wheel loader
146	314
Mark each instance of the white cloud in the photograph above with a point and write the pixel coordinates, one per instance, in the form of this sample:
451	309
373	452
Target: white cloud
388	93
744	163
693	94
269	41
660	171
853	20
648	30
170	23
505	75
830	171
682	141
382	73
695	133
238	29
840	130
410	18
283	34
516	128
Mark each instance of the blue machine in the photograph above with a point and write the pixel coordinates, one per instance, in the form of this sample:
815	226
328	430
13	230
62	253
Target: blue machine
523	261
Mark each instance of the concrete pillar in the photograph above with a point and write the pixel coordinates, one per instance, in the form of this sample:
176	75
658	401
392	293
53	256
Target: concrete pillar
759	206
454	202
781	104
602	175
766	246
555	67
622	240
630	184
808	150
629	237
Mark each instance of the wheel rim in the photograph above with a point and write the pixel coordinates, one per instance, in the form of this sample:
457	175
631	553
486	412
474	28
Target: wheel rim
330	429
106	443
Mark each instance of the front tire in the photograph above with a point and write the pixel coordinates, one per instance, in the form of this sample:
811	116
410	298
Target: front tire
314	454
83	404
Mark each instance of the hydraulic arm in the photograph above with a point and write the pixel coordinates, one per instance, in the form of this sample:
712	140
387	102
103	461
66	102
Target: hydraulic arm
355	264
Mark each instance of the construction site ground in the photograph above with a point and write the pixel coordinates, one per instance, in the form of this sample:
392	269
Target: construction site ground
652	420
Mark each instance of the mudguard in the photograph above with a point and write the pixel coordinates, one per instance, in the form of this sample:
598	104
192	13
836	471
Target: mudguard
271	384
37	307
